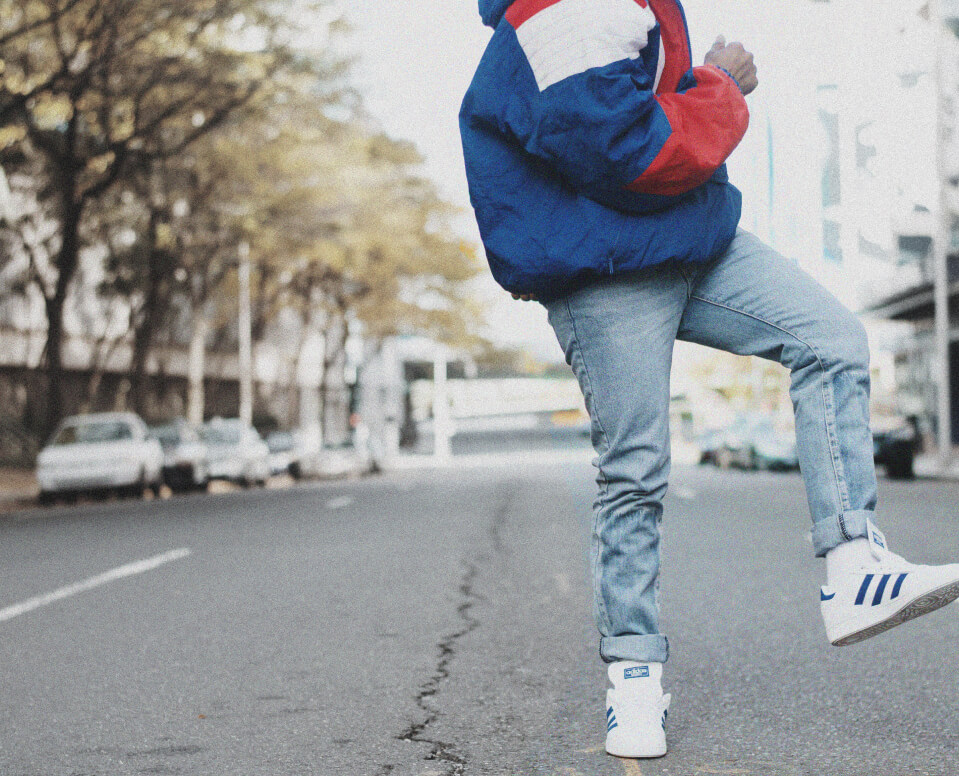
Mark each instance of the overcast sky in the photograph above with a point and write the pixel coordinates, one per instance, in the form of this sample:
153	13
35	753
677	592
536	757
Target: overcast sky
416	59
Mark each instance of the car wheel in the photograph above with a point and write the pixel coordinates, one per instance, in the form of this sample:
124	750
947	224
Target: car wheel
138	488
900	468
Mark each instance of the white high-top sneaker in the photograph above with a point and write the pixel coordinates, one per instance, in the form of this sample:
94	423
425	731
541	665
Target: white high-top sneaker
870	590
636	710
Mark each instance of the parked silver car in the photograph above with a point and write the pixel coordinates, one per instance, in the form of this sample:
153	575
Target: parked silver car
284	456
236	452
751	442
185	456
98	452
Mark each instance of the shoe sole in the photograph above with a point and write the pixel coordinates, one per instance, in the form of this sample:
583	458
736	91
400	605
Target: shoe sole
924	604
645	756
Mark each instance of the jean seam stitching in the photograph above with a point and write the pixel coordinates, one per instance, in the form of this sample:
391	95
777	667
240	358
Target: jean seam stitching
688	280
833	453
601	601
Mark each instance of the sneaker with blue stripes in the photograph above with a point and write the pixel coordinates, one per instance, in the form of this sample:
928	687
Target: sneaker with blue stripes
636	710
870	589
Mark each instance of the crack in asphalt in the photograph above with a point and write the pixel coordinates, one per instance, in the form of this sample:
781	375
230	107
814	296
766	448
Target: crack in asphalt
444	751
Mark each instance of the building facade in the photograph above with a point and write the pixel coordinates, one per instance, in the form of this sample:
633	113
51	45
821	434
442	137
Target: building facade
840	169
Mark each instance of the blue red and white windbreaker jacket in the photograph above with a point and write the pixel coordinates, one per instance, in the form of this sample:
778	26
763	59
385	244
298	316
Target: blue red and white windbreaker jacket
593	146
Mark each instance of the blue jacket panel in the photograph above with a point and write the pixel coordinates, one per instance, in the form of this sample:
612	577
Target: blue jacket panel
582	162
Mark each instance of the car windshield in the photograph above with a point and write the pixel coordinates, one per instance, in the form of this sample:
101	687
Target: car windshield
173	434
223	434
168	435
280	442
96	431
764	428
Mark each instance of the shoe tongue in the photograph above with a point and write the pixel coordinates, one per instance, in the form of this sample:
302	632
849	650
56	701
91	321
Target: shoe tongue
848	557
877	541
628	674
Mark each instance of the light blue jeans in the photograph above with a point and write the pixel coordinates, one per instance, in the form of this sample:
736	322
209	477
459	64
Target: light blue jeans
618	335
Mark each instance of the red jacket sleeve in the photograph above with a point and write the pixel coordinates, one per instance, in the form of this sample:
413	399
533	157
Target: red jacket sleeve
707	122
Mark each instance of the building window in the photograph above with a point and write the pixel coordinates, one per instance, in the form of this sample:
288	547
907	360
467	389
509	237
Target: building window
831	192
831	247
914	248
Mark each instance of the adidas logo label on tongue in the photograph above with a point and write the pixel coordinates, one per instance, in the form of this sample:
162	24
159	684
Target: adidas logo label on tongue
636	672
875	535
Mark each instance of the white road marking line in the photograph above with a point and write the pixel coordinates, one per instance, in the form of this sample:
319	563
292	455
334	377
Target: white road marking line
129	570
339	503
684	494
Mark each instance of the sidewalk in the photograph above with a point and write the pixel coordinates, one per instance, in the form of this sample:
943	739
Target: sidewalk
17	486
927	467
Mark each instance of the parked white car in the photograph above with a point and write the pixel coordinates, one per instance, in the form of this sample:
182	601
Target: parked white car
101	451
236	452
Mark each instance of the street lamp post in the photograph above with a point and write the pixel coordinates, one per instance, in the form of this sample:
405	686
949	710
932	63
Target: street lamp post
245	320
442	420
6	198
941	242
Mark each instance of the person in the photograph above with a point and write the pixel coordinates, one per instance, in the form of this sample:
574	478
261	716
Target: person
595	153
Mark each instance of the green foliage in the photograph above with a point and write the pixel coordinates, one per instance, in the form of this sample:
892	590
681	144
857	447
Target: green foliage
166	134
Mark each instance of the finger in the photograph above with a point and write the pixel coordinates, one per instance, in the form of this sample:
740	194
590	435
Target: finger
720	42
515	296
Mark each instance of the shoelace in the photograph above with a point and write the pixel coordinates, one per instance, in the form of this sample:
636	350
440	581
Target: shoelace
887	562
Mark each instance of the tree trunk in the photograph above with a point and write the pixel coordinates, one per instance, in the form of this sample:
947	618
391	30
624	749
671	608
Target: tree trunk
101	361
151	314
196	397
67	261
325	379
334	339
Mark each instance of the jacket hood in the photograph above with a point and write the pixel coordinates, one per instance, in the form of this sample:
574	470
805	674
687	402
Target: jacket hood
492	11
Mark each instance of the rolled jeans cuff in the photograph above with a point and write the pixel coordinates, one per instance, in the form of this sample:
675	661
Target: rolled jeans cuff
643	649
837	529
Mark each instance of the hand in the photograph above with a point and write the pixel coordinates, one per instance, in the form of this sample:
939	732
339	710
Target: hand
525	297
735	59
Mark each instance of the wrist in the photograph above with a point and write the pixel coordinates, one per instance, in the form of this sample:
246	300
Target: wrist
731	76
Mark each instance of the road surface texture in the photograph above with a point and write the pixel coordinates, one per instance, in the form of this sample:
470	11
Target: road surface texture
434	622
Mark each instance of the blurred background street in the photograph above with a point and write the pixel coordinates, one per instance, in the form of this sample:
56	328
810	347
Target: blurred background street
288	485
437	621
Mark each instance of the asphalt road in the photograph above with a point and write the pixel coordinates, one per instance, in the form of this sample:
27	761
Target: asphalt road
438	622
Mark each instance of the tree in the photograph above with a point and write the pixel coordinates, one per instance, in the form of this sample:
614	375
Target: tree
96	88
353	238
162	135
